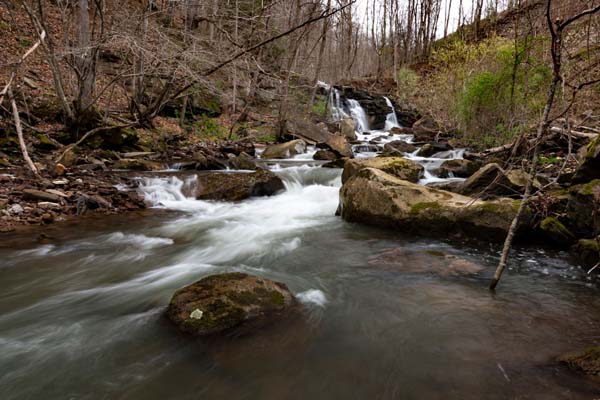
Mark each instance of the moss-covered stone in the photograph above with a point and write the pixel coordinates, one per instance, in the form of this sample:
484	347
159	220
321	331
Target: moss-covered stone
556	231
586	361
396	166
375	197
587	251
219	303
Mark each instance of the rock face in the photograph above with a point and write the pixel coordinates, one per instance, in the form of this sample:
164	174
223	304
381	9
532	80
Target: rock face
586	361
398	167
228	302
284	150
236	186
339	145
374	197
589	167
347	128
307	131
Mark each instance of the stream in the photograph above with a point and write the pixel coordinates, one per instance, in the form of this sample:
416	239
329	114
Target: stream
82	317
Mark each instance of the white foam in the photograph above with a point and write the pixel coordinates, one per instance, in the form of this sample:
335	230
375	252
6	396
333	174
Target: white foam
313	296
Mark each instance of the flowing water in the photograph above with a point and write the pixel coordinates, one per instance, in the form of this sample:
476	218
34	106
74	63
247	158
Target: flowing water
385	315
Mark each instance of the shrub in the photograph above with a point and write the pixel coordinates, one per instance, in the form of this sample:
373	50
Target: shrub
408	82
210	128
498	101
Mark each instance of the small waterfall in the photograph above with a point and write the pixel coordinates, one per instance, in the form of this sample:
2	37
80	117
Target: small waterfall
337	109
391	120
359	115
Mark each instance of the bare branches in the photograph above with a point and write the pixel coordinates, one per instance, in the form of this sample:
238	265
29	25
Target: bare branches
274	38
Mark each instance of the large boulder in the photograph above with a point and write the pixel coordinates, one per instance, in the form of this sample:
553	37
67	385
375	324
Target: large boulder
284	150
243	161
325	155
229	302
459	168
396	166
406	113
430	149
589	166
397	148
309	132
347	128
339	145
374	197
425	129
491	180
236	186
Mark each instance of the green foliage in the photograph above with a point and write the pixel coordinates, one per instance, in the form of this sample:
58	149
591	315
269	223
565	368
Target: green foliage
408	80
496	101
319	107
210	129
549	160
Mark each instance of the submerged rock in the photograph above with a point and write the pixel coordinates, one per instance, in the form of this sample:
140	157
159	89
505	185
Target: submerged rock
586	361
431	261
236	186
225	302
397	166
284	150
374	197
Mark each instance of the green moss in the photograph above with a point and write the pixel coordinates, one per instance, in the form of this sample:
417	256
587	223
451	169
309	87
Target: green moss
419	207
217	316
436	253
556	230
244	297
270	298
588	245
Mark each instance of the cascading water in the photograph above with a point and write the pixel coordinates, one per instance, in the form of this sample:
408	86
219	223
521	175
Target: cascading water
359	115
337	108
391	120
83	317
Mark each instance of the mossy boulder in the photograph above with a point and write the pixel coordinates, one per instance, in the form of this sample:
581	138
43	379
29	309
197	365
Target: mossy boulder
586	361
587	251
589	166
581	201
397	166
229	302
236	186
556	231
374	197
284	150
